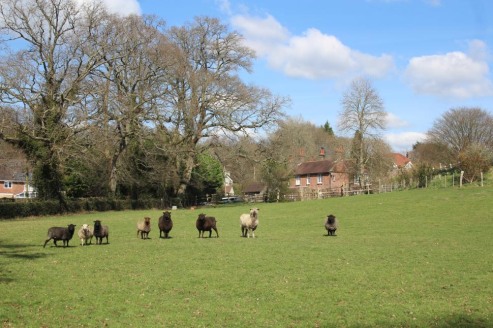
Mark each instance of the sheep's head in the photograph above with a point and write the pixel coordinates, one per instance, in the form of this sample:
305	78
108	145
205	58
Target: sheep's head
331	219
147	220
254	212
201	217
85	226
167	216
71	227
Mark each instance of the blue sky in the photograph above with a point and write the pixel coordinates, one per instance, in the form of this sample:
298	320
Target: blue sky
423	57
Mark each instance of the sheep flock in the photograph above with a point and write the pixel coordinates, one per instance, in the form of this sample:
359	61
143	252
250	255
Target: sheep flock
248	224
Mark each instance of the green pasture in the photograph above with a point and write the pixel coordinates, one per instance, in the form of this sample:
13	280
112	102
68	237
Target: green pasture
420	258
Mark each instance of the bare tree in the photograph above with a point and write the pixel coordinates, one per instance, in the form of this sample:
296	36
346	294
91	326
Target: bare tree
207	96
130	86
363	113
460	128
42	83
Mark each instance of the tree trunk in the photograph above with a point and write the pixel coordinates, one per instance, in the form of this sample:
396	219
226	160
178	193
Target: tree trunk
189	164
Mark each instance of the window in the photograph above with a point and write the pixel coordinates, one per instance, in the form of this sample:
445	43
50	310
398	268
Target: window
7	184
298	180
308	179
320	179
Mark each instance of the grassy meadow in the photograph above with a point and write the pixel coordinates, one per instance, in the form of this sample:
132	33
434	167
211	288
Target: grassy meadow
419	258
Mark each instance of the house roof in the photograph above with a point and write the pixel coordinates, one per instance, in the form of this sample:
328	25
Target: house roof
400	160
254	187
322	166
11	174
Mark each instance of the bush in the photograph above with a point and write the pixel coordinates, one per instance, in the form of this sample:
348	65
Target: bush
26	208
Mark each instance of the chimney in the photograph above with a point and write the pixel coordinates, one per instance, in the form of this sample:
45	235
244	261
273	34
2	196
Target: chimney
322	152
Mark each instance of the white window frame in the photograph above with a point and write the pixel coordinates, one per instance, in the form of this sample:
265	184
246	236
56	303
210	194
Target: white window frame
320	179
308	179
7	184
297	180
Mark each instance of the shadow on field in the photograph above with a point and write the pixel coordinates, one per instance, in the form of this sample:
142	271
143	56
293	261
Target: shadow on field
451	321
19	252
465	321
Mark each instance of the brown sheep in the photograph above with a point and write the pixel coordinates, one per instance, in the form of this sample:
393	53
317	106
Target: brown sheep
206	223
144	227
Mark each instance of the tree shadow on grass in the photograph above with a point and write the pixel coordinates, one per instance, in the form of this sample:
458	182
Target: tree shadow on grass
23	252
456	320
465	321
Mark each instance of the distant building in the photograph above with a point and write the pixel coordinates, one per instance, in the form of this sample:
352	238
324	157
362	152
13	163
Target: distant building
400	161
14	183
321	174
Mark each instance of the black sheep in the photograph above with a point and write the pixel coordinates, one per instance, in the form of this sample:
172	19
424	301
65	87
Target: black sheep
165	224
60	233
331	225
100	232
206	223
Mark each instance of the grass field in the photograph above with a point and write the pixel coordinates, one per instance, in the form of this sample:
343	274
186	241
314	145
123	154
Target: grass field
420	258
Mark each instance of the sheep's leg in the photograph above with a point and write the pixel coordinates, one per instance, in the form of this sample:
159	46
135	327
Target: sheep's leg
253	234
217	234
46	241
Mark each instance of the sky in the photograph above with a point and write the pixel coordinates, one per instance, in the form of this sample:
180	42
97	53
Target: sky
423	57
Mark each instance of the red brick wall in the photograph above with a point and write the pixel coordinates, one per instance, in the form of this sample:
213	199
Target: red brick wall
17	188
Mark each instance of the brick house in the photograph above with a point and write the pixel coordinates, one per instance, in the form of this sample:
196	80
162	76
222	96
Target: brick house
321	176
13	182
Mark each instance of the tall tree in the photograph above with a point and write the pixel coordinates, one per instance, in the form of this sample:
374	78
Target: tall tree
363	114
207	96
460	128
43	73
130	86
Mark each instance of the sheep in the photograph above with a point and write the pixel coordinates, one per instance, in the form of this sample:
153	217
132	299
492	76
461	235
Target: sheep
331	225
100	232
206	223
249	223
85	234
165	224
60	233
144	227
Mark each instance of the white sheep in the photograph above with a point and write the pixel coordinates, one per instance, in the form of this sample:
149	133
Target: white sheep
249	223
85	234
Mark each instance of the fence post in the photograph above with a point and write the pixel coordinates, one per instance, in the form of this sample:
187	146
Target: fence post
461	176
482	179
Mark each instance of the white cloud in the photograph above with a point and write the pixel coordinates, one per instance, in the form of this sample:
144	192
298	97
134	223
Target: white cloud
455	74
393	121
224	6
404	141
312	55
122	7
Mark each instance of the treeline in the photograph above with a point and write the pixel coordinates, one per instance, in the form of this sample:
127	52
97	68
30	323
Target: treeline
104	106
